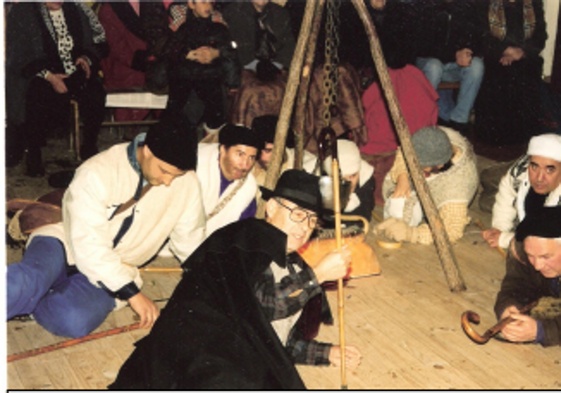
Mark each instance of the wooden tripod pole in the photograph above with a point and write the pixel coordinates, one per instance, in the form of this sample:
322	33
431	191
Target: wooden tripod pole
273	171
303	89
443	247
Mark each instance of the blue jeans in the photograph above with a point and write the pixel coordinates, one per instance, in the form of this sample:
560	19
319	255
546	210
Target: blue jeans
469	77
64	305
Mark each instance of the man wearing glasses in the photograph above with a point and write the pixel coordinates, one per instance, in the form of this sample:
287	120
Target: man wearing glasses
236	317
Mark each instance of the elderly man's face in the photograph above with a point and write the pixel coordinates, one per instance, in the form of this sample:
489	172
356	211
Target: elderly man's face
544	174
285	215
201	8
544	254
155	171
236	161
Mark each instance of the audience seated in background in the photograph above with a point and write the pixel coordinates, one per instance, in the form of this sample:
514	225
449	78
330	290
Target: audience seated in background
448	43
533	270
532	181
448	163
125	67
202	59
53	51
508	103
224	171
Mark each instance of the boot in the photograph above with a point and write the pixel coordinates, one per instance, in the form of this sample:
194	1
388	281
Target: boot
34	163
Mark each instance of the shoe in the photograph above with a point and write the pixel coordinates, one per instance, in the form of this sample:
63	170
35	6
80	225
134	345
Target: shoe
462	128
442	122
34	163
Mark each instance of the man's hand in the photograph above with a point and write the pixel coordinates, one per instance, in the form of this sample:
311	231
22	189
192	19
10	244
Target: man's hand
333	266
463	57
491	236
81	62
397	230
522	329
57	82
146	310
203	55
353	356
402	187
514	53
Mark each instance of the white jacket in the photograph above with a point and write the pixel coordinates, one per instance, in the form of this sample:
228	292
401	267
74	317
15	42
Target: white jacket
100	185
508	209
208	172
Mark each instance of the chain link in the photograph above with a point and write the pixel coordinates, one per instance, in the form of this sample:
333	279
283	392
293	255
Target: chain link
331	65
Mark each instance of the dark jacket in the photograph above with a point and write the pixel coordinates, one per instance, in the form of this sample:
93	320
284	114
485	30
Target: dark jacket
213	334
242	23
443	28
193	34
31	48
523	285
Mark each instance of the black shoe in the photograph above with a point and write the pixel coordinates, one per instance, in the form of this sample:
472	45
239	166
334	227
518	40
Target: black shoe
34	163
442	122
462	128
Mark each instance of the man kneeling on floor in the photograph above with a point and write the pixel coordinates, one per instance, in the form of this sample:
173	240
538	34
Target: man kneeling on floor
234	320
116	216
533	271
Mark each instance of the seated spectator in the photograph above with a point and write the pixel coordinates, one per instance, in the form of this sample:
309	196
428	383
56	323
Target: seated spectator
224	171
533	270
448	50
119	209
262	31
533	181
508	103
360	174
202	59
53	51
448	162
417	99
125	67
239	307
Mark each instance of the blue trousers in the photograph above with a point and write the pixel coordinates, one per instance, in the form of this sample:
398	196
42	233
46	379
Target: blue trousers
67	306
469	77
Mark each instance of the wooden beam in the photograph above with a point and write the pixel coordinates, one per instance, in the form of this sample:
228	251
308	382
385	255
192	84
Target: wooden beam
443	246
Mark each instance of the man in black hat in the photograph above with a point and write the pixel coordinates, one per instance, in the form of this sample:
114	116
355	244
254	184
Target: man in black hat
236	314
119	209
533	272
224	171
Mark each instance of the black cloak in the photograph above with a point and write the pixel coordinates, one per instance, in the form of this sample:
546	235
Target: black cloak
213	333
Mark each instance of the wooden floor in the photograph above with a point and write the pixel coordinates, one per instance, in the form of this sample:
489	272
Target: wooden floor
406	322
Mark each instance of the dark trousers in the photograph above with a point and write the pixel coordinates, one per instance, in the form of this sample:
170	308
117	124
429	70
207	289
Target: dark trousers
46	109
210	91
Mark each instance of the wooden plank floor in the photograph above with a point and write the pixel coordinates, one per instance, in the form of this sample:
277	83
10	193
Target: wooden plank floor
405	321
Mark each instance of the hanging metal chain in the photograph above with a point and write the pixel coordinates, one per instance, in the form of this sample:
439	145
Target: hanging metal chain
331	65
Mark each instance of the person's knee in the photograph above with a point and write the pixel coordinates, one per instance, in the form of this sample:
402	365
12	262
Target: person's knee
476	69
433	69
75	322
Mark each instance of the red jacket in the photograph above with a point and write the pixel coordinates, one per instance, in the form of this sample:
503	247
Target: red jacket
417	99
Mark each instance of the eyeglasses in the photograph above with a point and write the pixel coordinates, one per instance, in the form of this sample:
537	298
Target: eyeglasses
298	215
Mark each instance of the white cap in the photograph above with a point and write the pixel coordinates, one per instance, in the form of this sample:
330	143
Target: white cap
349	158
546	145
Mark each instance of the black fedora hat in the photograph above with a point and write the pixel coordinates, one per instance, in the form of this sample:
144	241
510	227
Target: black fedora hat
299	187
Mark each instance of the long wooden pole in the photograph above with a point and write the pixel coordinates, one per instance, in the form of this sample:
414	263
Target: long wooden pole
443	247
303	89
273	171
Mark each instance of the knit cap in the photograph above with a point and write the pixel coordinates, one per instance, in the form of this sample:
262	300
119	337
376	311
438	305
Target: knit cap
546	145
432	146
348	158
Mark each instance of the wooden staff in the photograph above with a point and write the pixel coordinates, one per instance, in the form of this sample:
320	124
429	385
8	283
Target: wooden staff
498	248
69	343
441	241
273	171
150	269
